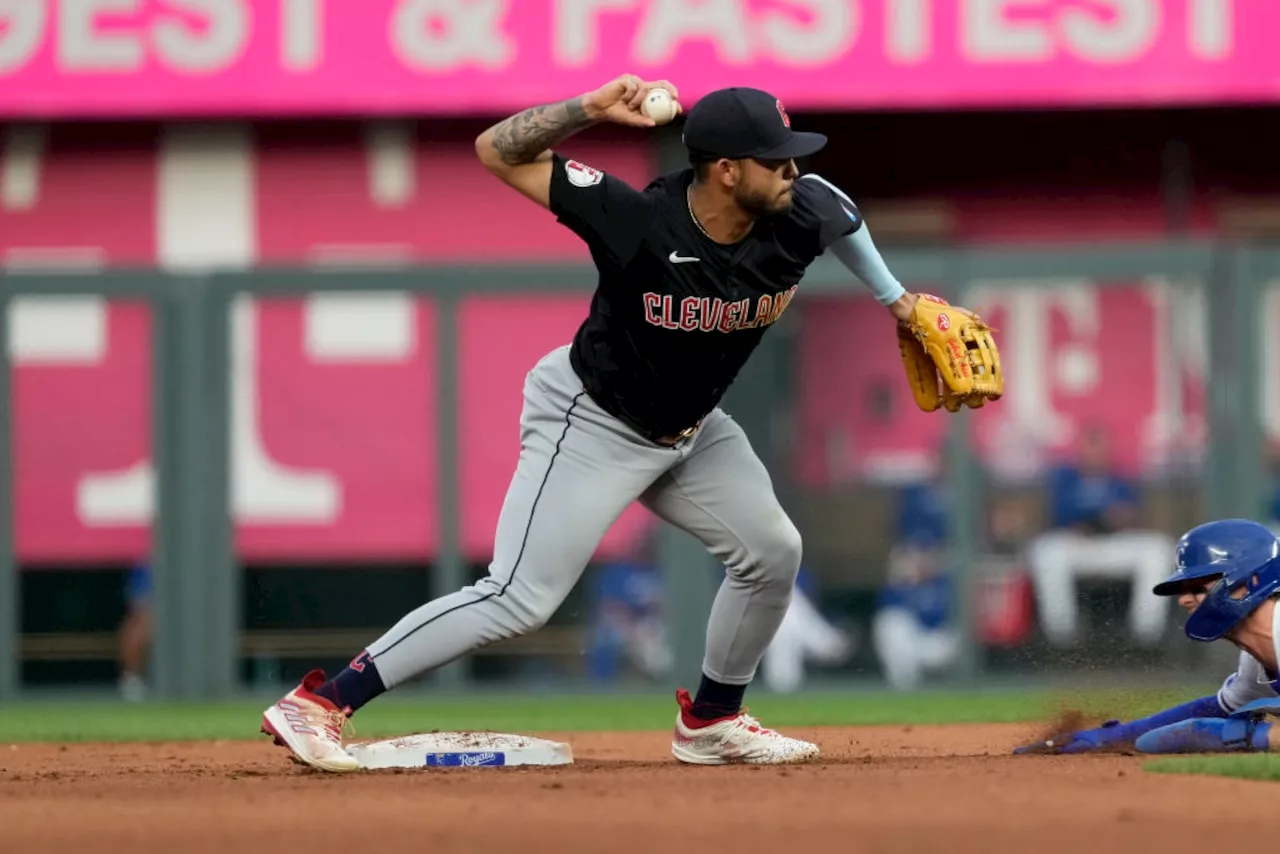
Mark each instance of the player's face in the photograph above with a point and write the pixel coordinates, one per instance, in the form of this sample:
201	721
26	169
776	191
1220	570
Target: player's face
1191	599
1192	596
1195	591
764	186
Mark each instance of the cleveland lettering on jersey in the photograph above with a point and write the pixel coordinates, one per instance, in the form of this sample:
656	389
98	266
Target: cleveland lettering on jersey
712	314
675	315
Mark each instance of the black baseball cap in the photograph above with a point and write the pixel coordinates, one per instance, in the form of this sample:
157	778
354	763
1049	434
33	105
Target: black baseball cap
740	122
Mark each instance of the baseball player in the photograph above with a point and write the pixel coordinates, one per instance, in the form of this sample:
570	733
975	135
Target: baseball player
1227	577
692	271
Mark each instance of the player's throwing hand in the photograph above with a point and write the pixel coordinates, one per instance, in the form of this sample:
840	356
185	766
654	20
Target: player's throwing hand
619	100
518	148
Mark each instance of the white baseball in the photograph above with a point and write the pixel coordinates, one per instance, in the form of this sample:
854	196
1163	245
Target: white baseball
659	106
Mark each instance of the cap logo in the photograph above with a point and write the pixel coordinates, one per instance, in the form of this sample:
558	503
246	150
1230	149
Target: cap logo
782	111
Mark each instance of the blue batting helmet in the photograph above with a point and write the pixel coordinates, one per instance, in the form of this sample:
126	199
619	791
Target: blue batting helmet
1244	557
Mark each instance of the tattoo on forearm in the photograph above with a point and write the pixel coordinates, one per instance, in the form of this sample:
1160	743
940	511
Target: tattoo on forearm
522	137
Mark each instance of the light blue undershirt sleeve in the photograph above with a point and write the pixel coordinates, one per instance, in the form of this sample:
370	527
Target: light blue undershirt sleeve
858	253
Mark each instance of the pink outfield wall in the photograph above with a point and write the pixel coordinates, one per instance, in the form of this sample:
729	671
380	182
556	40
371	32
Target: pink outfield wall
430	57
334	433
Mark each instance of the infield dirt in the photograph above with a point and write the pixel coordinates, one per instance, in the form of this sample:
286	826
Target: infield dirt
877	789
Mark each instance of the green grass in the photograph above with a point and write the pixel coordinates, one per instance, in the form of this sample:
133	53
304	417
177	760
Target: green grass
116	721
1251	766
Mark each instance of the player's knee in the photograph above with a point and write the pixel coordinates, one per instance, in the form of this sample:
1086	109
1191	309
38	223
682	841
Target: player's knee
779	556
531	617
518	613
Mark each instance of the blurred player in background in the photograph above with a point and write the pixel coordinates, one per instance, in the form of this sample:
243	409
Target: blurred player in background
628	625
1096	534
805	637
1227	578
134	634
627	621
911	629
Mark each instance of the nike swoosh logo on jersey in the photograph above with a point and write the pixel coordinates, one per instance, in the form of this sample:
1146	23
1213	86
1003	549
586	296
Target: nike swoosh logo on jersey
676	258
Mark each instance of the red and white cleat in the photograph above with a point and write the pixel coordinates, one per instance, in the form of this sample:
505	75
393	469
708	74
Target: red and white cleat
310	726
731	740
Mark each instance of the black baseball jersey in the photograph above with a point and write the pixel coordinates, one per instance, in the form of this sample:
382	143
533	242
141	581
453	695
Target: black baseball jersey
675	314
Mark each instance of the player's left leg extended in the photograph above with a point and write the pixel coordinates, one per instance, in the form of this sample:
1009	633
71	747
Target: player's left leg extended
722	494
579	468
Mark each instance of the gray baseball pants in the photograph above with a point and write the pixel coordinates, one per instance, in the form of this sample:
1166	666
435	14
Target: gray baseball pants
579	468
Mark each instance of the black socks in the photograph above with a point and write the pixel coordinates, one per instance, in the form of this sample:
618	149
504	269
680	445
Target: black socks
717	700
357	684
